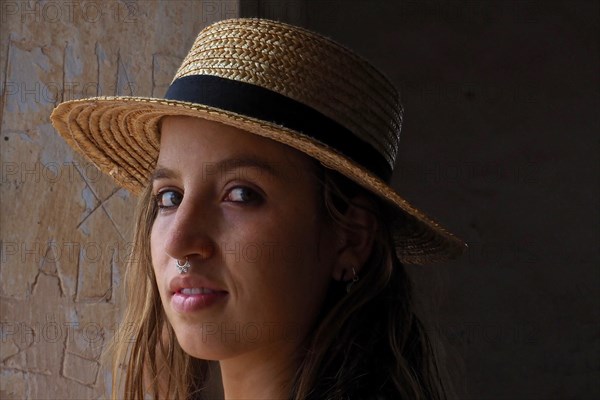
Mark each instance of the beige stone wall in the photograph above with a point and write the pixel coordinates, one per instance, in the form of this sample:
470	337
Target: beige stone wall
65	229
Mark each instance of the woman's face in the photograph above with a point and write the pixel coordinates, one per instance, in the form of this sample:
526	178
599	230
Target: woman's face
244	210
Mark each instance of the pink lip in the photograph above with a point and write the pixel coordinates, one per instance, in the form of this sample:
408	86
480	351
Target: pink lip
185	303
189	303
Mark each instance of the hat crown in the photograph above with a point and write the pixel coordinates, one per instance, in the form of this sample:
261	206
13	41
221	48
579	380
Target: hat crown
306	67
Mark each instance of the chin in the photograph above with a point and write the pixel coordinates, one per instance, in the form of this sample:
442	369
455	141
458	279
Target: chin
208	344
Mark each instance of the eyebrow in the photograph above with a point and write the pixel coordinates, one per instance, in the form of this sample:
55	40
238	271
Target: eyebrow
221	167
163	173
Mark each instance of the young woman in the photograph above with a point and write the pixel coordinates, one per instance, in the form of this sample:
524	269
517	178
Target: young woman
267	238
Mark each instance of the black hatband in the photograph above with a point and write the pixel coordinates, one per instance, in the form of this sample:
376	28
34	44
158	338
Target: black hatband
263	104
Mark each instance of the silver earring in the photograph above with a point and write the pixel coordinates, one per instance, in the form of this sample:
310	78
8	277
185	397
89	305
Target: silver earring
183	268
353	281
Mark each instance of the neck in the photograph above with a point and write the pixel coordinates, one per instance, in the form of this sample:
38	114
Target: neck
261	374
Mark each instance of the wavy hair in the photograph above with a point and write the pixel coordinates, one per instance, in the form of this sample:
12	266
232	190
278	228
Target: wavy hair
367	344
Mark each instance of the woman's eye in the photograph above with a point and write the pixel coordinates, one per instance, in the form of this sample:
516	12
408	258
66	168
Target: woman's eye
242	194
168	199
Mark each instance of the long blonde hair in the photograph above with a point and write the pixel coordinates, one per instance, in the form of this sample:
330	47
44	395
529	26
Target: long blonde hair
366	343
146	356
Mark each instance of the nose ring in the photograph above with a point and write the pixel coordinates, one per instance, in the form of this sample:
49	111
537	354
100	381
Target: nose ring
183	268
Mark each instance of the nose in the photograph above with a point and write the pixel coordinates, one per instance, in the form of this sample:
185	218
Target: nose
188	234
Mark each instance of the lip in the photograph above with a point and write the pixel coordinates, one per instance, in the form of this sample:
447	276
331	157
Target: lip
185	303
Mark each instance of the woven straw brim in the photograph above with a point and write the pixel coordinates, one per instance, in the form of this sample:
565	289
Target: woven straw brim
120	136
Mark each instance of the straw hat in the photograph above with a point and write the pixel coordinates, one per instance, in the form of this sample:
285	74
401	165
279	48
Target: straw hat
277	81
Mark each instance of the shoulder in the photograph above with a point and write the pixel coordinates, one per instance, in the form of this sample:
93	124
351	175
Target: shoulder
379	396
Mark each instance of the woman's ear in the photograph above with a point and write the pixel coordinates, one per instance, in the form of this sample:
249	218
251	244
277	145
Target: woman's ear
356	236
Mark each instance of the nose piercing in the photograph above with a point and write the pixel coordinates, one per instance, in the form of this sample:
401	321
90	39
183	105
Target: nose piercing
183	268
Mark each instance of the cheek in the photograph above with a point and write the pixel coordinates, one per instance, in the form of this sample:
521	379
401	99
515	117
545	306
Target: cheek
303	267
156	253
153	245
160	262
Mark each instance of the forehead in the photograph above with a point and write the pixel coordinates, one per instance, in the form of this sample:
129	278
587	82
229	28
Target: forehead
187	142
